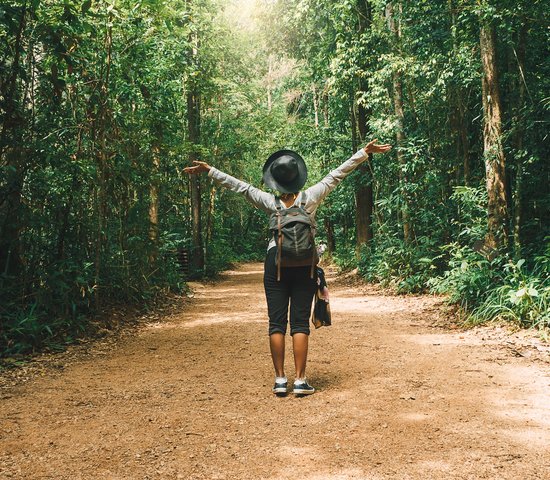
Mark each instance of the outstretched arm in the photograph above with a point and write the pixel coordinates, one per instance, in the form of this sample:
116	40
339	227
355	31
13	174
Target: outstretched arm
255	196
320	190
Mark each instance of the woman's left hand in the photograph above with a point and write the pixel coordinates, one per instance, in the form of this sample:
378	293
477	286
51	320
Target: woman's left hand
373	148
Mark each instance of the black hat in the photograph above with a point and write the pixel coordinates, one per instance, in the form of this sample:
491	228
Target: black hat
285	171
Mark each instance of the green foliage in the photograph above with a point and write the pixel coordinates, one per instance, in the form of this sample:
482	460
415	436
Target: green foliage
91	93
468	277
488	285
93	141
403	267
523	297
497	290
24	331
345	259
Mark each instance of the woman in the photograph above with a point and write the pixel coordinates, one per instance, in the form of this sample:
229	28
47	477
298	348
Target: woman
286	172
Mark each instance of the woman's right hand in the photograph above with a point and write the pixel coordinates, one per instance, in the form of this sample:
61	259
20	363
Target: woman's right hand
198	167
373	148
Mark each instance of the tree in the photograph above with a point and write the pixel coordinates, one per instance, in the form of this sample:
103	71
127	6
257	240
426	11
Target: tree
364	201
397	93
493	150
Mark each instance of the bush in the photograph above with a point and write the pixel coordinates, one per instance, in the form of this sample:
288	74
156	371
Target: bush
406	268
496	290
468	277
522	298
488	289
345	259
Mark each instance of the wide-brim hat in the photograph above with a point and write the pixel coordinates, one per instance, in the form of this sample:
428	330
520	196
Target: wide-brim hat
285	171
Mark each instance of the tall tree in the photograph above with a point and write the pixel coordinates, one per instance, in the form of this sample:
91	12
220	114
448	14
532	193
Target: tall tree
154	201
458	123
364	202
12	154
193	130
394	25
493	150
519	94
102	154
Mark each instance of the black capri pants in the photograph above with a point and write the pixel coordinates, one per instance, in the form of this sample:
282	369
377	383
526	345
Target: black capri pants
296	286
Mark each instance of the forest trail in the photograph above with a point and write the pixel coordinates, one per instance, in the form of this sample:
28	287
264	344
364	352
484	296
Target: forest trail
190	397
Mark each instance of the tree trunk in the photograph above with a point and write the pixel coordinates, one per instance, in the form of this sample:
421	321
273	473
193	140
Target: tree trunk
315	104
464	138
8	89
269	83
193	131
193	125
327	221
13	158
517	139
210	216
495	164
353	121
102	156
400	127
10	207
325	108
363	193
154	207
458	115
331	238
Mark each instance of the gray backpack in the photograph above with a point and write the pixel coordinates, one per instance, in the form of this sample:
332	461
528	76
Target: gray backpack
293	230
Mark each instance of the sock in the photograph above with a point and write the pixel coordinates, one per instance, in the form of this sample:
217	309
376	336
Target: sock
298	381
280	379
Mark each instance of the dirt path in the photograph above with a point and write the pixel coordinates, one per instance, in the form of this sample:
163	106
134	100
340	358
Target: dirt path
189	397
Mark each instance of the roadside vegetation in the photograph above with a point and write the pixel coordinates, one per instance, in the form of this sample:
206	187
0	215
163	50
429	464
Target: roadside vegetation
104	103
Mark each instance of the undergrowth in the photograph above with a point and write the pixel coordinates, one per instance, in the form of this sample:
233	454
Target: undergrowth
485	286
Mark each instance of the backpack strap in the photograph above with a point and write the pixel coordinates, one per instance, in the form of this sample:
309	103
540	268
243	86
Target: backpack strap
314	258
303	202
279	246
279	238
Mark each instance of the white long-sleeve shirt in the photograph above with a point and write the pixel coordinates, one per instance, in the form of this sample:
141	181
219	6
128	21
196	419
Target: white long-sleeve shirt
314	195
